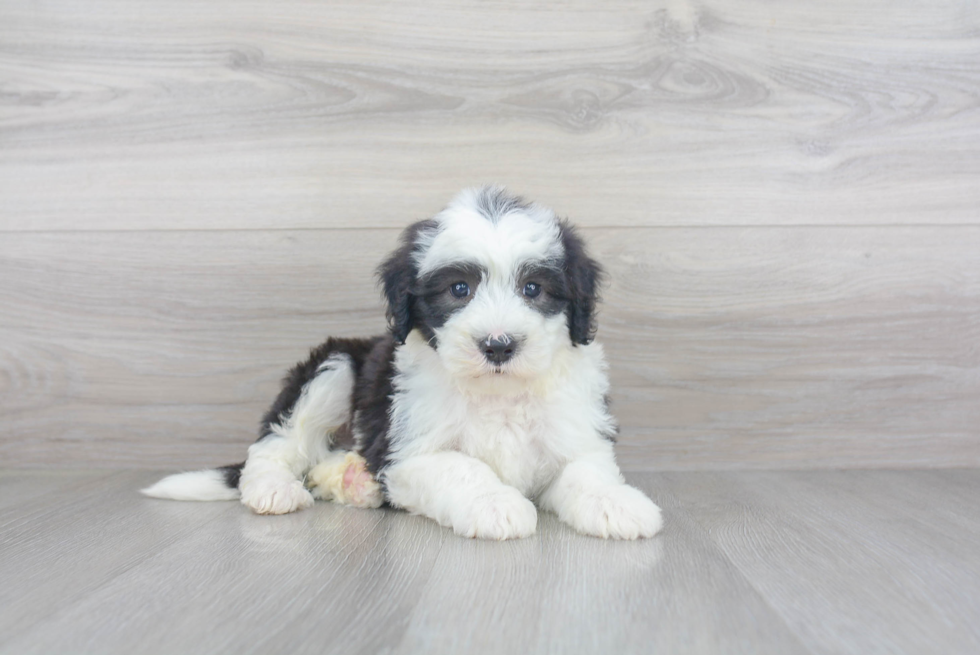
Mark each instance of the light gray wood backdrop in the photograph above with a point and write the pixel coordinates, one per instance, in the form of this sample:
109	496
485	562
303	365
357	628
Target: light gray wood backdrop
786	195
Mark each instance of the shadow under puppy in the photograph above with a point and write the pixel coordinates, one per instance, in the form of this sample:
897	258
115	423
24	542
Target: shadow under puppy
486	397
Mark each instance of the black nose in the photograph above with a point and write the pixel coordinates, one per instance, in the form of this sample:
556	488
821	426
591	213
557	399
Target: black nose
498	350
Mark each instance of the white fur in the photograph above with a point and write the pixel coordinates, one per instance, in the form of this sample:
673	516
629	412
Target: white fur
590	495
462	493
468	444
501	246
459	457
193	485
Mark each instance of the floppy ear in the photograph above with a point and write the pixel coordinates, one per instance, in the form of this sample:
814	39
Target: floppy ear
583	277
397	275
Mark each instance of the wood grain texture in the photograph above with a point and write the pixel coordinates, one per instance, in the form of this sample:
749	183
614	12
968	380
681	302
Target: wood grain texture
748	347
748	562
211	114
337	580
562	592
795	347
887	560
786	194
59	548
256	586
22	487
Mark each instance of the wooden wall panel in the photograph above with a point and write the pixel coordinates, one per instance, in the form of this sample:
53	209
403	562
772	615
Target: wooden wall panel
740	347
795	346
213	114
192	192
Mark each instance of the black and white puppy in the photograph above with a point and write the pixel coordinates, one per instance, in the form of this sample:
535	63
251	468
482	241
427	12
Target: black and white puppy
486	397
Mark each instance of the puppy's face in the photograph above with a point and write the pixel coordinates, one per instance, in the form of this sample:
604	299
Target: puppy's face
495	285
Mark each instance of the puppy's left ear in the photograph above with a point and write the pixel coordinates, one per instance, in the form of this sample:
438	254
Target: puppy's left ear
398	274
583	278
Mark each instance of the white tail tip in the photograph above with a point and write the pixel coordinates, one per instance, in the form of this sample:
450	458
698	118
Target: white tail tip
195	485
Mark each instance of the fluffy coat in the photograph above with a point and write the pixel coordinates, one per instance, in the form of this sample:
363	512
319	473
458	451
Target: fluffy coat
486	400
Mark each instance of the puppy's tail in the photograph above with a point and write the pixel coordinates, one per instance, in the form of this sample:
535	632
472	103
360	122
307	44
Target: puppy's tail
210	484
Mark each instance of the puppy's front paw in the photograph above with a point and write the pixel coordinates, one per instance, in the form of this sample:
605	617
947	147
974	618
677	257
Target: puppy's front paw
502	514
614	512
274	494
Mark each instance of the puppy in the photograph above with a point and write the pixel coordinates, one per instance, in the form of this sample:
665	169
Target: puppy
486	400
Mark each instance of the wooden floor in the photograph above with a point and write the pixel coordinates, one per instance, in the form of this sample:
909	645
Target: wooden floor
748	562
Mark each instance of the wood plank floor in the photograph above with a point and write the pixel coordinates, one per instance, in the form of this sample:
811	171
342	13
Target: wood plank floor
748	562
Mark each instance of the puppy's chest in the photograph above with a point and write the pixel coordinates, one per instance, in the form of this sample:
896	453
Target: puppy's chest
512	437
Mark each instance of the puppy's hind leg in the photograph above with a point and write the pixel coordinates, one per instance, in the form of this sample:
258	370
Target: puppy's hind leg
271	481
343	478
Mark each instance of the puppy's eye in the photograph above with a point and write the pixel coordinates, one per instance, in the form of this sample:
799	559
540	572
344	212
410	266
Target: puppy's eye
532	290
460	290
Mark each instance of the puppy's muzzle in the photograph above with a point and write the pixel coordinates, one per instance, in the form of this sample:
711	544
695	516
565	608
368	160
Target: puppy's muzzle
500	349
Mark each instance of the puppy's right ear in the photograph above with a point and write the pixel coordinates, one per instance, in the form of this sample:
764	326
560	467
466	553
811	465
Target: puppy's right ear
398	274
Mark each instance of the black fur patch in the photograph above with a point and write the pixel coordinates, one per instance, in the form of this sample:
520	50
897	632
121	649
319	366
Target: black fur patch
397	275
303	372
373	392
373	362
494	203
554	296
583	277
232	474
433	304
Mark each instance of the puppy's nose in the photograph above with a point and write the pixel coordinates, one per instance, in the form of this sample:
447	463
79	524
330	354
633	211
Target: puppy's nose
498	350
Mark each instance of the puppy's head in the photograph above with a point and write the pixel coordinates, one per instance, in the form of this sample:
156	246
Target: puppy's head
495	285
